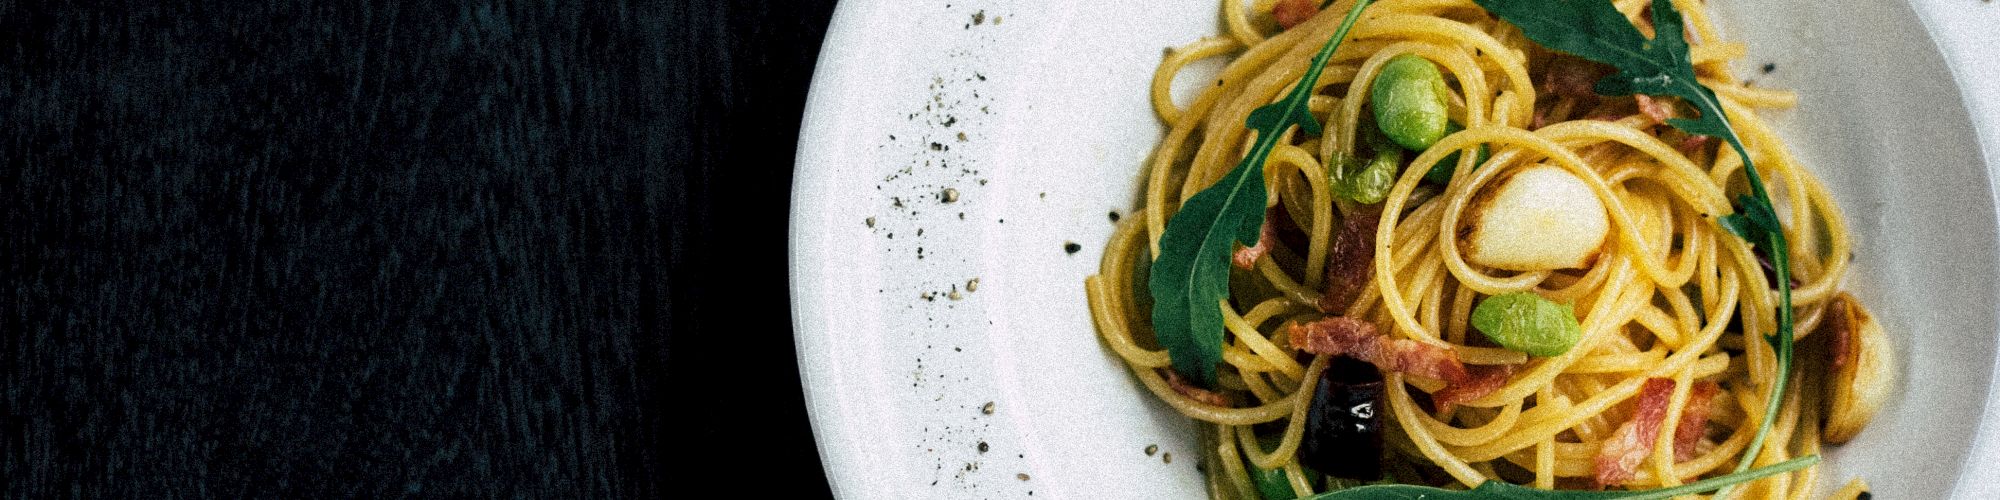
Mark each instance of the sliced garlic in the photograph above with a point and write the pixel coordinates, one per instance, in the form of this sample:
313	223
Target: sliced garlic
1540	217
1862	370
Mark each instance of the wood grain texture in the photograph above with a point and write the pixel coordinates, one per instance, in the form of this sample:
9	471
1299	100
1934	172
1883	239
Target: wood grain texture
385	249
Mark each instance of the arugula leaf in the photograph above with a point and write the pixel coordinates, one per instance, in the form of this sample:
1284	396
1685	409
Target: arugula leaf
1502	490
1594	30
1190	277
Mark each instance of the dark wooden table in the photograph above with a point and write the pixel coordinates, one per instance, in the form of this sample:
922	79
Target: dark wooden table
386	249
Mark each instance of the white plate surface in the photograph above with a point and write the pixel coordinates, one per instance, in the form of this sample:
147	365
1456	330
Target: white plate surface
947	142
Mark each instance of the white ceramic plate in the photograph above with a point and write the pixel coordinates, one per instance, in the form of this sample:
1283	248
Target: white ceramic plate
953	141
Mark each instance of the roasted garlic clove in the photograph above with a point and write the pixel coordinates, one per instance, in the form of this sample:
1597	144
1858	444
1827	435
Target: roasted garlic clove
1541	217
1862	367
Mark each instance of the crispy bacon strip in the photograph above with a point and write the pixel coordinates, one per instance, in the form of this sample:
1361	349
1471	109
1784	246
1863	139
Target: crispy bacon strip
1293	12
1351	261
1570	76
1482	380
1694	143
1342	336
1182	386
1246	257
1621	453
1694	419
1839	333
1657	109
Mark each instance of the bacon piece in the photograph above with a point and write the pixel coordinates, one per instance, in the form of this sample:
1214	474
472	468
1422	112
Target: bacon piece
1343	336
1481	380
1694	419
1575	77
1351	263
1657	109
1694	143
1839	333
1621	453
1246	257
1182	386
1293	12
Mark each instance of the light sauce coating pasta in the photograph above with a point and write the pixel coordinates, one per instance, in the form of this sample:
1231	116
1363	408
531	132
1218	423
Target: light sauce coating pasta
1667	297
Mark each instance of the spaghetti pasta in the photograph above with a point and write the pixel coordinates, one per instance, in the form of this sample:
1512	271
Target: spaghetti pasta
1664	303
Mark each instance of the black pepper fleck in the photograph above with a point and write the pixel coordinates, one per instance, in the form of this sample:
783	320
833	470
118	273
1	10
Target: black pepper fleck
1769	67
937	147
983	447
1071	247
1167	457
1151	449
1114	216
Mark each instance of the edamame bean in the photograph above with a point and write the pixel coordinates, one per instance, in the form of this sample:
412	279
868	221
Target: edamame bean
1526	322
1409	101
1367	182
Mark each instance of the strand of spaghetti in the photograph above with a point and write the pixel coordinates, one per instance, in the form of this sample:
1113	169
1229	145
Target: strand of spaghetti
1545	453
1284	65
1108	308
1546	372
1112	329
1455	61
1208	413
1232	463
1237	19
1662	456
1301	487
1406	414
1288	443
1276	277
1320	235
1246	334
1661	325
1254	381
1460	436
1164	156
1176	59
1458	34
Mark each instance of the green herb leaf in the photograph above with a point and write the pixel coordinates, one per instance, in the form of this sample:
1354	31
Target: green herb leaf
1501	490
1526	322
1190	277
1596	31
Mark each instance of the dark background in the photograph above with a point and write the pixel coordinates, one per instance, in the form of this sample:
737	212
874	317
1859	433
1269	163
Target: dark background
397	248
